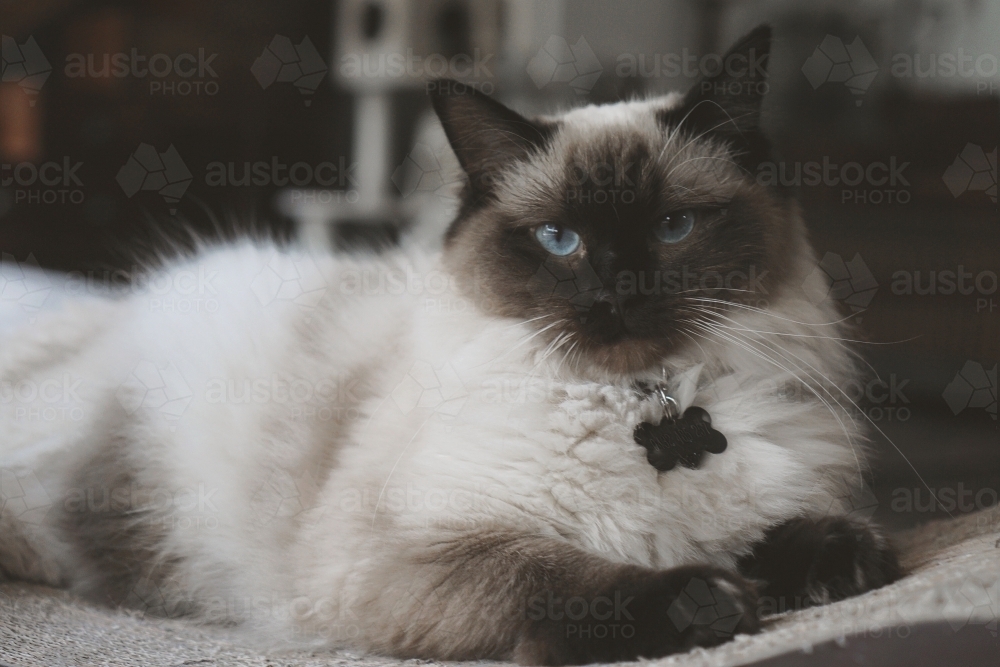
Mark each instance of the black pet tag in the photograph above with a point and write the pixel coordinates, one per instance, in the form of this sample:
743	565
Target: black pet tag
683	439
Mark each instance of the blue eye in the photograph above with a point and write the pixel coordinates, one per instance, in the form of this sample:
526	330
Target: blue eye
675	226
557	240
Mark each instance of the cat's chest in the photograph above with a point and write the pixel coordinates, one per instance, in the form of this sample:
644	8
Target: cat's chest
597	487
563	460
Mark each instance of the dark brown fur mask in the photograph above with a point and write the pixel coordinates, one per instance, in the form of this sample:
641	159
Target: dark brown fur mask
607	223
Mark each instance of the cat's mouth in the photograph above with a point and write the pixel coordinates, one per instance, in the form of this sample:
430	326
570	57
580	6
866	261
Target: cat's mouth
621	341
628	354
610	321
605	322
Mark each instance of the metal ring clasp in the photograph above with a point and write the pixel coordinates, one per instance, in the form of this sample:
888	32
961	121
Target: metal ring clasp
671	409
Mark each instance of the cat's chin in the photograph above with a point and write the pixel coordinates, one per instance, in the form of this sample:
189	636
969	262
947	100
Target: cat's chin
625	356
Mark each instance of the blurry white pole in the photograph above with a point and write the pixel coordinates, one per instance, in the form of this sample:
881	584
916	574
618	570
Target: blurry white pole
372	143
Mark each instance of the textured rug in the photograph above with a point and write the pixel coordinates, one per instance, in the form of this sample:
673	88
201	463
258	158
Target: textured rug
953	577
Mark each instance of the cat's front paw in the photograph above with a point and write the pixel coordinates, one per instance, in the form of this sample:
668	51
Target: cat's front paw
712	606
807	561
646	616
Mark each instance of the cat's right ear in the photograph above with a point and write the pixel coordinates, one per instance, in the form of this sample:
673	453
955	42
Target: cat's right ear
485	135
727	105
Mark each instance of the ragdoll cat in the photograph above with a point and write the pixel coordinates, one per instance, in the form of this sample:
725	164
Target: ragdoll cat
566	438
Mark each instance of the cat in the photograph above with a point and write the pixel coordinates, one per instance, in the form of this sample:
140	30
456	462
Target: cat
436	455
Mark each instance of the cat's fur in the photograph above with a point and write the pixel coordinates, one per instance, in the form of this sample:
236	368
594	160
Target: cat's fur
451	473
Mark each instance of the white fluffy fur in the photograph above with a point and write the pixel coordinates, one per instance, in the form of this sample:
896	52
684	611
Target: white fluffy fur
302	503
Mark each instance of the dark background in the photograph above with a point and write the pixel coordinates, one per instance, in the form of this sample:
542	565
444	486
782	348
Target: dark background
920	342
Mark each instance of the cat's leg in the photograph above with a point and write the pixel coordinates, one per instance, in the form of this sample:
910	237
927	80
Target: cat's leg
30	549
807	562
669	611
542	601
21	559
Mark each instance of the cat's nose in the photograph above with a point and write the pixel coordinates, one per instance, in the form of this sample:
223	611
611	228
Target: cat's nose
603	319
609	300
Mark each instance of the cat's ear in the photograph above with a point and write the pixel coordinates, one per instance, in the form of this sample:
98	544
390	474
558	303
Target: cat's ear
485	135
727	104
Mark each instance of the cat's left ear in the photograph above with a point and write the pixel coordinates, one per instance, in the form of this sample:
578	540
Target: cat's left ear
727	104
485	135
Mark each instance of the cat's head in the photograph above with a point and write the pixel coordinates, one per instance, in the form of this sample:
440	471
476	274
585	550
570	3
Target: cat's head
614	227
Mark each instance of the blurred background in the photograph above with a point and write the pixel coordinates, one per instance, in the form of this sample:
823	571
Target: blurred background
125	122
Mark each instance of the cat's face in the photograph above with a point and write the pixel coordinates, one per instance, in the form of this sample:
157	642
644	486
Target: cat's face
616	229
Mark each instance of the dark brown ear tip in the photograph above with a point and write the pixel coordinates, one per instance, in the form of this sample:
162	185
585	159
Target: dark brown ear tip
760	33
759	38
444	94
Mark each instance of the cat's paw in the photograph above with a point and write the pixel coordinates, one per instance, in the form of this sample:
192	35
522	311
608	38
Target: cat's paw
647	616
806	562
711	606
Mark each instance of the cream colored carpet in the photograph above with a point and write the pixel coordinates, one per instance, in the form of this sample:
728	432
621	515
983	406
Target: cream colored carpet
954	576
